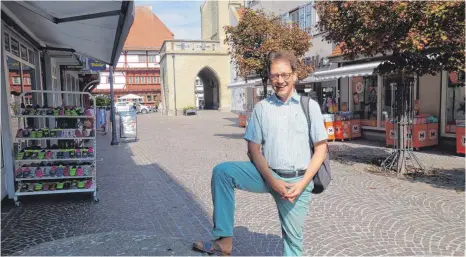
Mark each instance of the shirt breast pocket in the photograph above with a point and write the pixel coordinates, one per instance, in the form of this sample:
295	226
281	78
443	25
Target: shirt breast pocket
301	126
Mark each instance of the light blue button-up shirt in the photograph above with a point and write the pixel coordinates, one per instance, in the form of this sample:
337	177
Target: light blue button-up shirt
282	130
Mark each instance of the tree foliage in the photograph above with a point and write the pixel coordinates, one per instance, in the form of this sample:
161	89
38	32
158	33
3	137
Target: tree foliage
258	34
416	37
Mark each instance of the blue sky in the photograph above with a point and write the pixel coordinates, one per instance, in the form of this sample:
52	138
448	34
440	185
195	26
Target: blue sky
183	18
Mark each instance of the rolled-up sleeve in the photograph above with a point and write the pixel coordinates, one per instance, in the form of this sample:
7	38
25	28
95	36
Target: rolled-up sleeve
318	132
254	128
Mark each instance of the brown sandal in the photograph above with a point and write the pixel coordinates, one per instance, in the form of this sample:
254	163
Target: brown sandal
212	248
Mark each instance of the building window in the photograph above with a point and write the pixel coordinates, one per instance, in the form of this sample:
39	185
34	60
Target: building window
142	58
294	16
16	80
143	80
136	80
157	80
151	58
149	98
130	80
7	42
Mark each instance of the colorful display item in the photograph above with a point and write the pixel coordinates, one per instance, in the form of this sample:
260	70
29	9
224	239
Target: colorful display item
424	132
460	138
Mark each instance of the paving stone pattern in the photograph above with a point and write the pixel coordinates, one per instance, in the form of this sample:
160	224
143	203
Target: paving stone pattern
160	187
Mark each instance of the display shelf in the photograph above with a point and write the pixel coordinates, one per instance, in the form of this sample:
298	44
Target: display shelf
64	191
53	116
54	160
24	142
49	138
52	178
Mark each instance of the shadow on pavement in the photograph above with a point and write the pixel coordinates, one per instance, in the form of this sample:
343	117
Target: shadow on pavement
369	154
134	196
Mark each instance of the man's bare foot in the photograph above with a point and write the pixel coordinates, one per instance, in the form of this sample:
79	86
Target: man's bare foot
226	244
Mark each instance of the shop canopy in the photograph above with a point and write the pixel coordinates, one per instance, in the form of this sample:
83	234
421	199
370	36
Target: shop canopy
130	96
363	69
249	83
97	29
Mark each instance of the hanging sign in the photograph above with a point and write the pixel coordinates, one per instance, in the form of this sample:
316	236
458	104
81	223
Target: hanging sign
96	65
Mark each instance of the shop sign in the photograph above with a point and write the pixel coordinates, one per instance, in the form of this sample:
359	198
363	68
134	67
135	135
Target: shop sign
96	65
330	131
392	134
355	128
433	134
422	135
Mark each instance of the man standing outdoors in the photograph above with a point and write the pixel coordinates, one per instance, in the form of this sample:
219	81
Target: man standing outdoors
283	167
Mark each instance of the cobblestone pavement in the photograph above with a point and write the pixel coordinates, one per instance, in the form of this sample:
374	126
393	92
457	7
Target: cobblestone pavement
160	186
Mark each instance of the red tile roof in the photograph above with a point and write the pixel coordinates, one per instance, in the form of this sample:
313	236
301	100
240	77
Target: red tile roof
336	51
147	32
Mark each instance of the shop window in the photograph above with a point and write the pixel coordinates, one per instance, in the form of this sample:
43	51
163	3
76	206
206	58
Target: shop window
31	56
15	69
7	42
455	99
142	58
389	83
24	53
365	99
14	46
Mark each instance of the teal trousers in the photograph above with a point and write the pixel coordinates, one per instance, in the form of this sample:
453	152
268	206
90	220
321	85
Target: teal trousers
243	175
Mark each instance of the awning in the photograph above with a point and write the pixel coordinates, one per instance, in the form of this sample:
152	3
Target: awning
347	71
96	29
250	83
131	96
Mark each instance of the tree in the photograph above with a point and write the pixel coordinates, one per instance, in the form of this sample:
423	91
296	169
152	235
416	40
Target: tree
101	101
413	38
256	35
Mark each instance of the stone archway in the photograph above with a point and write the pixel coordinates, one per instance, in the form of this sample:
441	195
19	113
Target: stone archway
181	62
211	85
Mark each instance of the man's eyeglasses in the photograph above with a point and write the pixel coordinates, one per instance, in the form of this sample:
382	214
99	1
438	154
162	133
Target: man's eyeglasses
285	76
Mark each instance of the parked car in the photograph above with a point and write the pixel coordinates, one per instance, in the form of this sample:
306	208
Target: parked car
123	106
143	109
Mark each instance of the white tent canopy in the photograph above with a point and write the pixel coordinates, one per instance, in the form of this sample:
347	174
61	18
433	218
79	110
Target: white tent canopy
97	29
130	96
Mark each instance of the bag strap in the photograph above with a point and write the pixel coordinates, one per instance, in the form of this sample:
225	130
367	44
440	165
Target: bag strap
305	106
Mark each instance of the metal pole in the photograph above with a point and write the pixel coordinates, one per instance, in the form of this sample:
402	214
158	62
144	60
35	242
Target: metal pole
174	83
112	108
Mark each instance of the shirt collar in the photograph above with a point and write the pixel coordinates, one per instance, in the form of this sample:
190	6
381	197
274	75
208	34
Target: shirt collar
295	98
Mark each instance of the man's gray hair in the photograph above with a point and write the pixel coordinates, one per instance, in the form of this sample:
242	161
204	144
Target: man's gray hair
282	55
